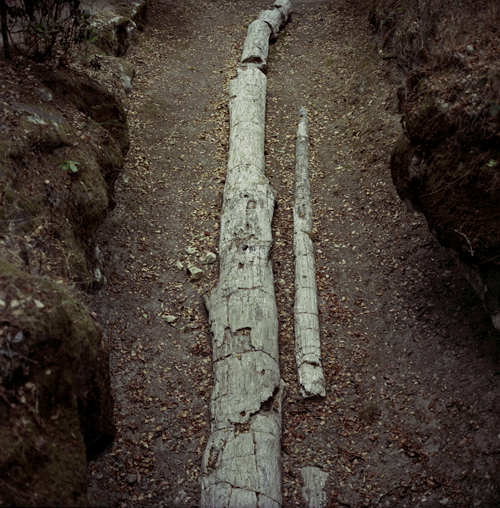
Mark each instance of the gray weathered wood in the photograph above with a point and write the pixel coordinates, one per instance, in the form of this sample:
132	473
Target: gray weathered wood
284	6
314	483
256	46
276	16
307	337
241	465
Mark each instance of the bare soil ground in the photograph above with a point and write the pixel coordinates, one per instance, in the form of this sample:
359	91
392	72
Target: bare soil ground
412	413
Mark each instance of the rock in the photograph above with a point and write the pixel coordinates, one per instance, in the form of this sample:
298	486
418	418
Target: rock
191	250
131	478
43	124
122	71
114	32
44	94
195	273
181	495
179	265
86	95
56	405
209	258
171	319
314	483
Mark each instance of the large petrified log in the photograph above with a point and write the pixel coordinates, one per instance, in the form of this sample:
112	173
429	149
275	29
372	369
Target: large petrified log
241	464
276	16
307	339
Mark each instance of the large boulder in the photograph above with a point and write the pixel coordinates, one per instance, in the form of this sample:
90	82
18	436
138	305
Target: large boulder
56	408
89	97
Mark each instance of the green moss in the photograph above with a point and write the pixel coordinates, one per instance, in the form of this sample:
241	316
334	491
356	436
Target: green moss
105	40
125	11
329	62
10	195
87	95
31	203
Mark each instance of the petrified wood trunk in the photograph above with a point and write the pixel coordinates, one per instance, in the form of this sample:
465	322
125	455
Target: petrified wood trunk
307	339
241	465
276	16
256	47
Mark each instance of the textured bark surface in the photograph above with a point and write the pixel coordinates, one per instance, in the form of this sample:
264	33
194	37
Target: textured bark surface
242	462
276	16
307	339
256	47
241	465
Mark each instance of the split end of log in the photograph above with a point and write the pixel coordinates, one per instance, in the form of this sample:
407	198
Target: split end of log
285	6
312	381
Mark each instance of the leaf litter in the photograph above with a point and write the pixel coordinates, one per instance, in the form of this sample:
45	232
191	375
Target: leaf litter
411	414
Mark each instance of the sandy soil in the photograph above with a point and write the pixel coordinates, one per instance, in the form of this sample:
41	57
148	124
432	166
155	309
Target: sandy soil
412	413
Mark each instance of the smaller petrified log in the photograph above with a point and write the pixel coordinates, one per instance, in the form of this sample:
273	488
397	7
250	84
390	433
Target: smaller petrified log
307	340
314	483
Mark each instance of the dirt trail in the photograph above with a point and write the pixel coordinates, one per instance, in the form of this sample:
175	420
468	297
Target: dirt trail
412	413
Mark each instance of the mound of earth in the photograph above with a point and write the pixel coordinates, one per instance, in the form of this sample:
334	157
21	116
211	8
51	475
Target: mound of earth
446	163
64	139
56	406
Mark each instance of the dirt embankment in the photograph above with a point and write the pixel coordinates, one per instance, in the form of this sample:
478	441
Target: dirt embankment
411	358
64	137
446	163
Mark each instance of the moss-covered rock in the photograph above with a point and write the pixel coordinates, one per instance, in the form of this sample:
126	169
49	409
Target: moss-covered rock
57	214
114	31
56	406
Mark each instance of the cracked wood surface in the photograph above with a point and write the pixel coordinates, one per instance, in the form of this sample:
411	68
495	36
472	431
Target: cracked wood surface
307	338
256	47
242	462
241	465
276	16
314	483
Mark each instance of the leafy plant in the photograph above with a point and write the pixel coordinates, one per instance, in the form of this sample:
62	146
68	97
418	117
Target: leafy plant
494	107
43	29
69	165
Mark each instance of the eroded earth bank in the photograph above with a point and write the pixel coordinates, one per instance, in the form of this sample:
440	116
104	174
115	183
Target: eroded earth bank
412	411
